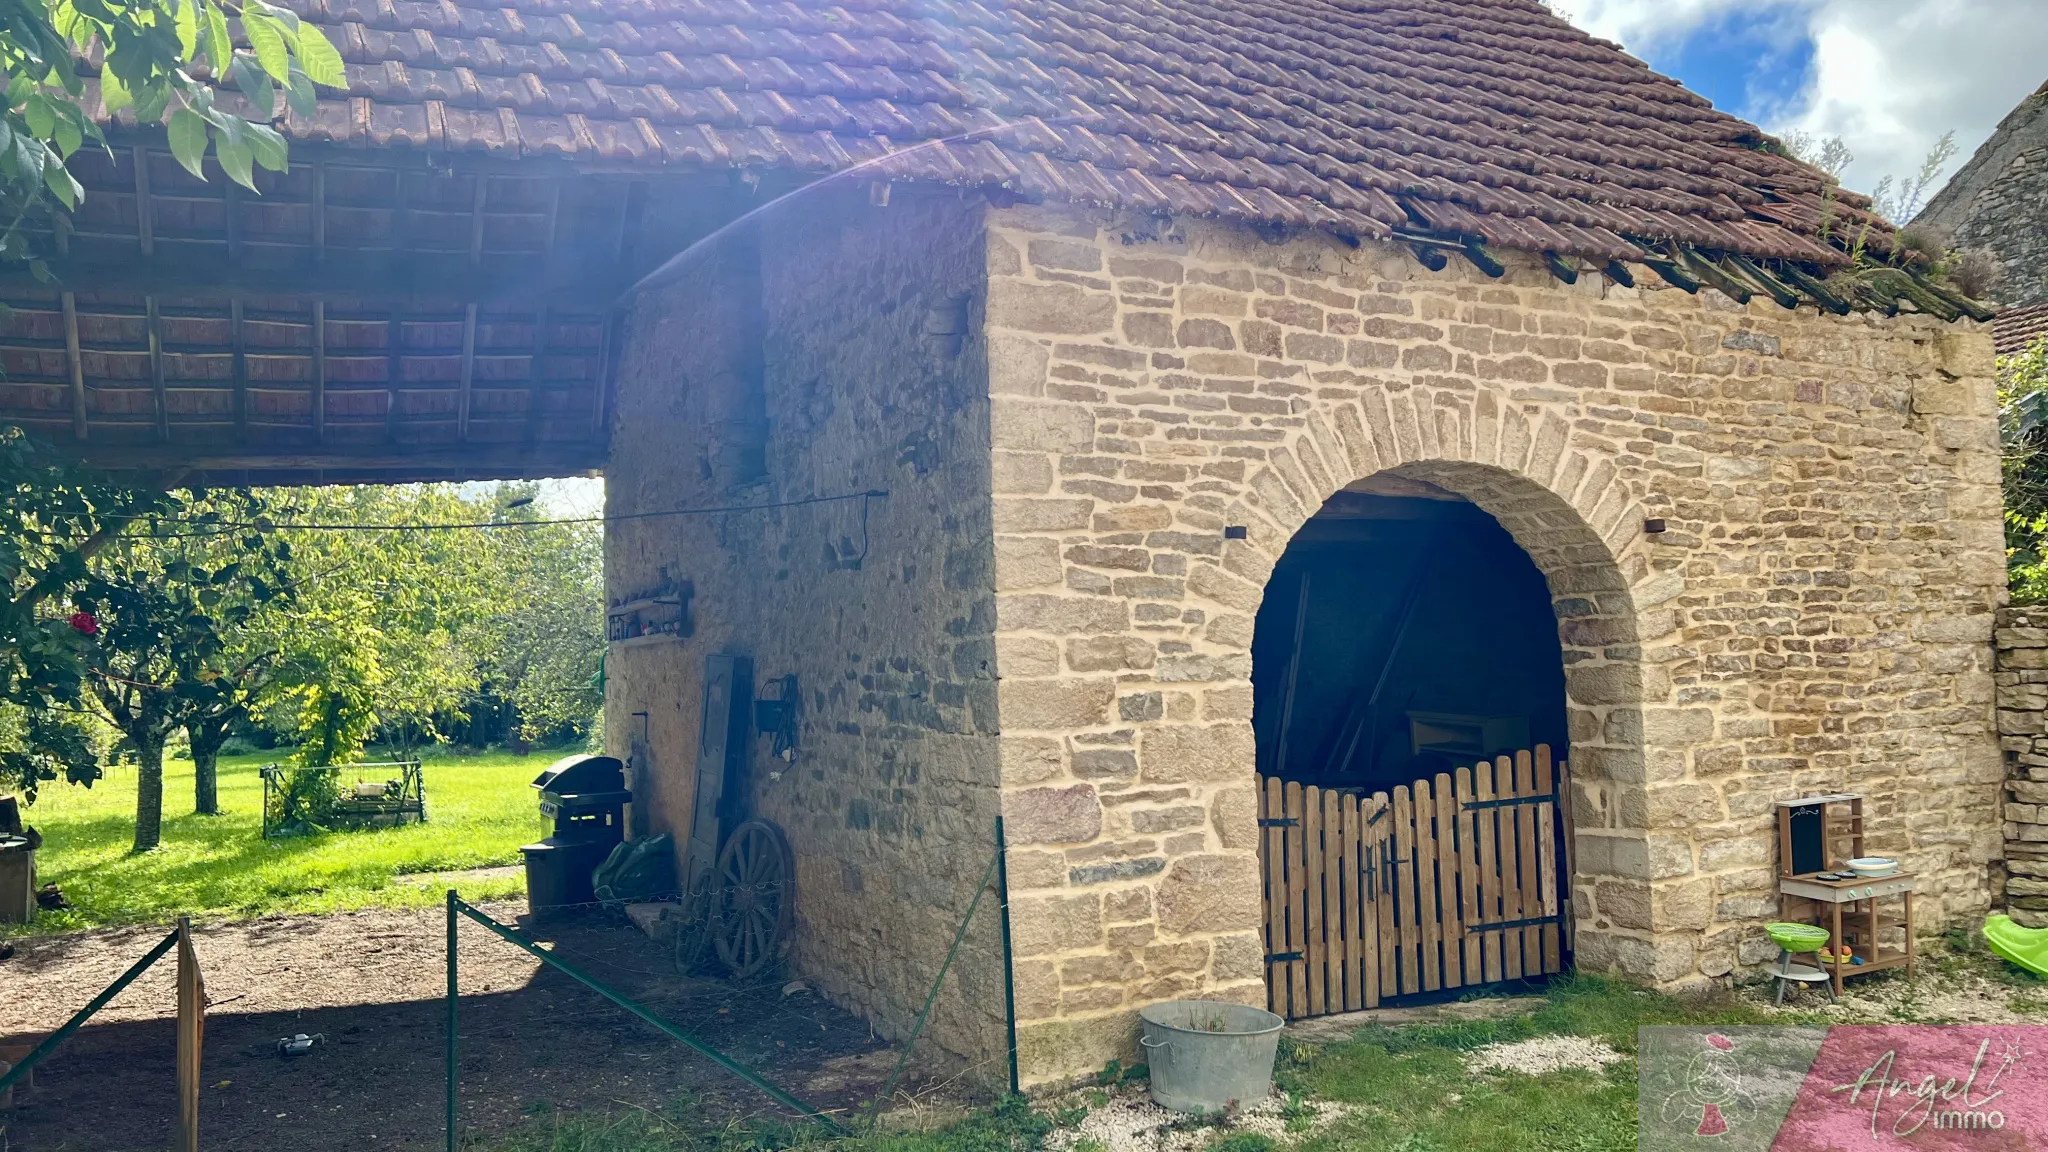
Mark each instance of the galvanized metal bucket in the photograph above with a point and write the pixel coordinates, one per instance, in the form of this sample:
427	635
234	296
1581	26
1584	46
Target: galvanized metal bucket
1207	1056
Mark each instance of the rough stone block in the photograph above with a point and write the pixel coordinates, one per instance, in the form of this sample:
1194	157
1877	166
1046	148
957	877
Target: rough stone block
1059	309
1054	705
1052	815
1211	894
1175	754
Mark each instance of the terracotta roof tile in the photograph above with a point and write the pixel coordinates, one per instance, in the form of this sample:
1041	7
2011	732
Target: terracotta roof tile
2017	329
1489	118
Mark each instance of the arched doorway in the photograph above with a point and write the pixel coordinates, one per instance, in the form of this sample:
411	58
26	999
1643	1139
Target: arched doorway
1412	664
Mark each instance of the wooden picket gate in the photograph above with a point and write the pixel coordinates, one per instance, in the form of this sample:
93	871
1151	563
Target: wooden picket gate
1442	884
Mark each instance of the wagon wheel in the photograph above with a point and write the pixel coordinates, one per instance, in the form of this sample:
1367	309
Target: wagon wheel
699	923
755	898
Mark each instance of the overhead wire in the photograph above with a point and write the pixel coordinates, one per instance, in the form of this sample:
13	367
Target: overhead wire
265	524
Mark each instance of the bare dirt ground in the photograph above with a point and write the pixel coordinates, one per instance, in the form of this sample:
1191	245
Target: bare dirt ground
372	984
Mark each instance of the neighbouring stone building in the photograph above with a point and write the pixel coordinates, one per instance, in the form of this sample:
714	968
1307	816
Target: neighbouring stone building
1998	202
1074	410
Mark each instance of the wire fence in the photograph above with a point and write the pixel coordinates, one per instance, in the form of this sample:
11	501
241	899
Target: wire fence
754	1031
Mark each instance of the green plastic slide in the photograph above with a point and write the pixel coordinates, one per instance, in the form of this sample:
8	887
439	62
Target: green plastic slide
2026	947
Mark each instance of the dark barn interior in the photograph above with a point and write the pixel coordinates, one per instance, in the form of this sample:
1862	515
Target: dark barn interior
1404	633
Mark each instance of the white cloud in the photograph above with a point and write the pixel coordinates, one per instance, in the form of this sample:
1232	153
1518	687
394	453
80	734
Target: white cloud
1889	76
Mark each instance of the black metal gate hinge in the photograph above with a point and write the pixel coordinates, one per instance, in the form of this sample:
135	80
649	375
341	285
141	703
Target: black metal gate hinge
1281	957
1279	822
1501	924
1546	798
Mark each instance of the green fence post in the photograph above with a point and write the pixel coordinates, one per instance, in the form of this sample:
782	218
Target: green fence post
1009	968
451	1020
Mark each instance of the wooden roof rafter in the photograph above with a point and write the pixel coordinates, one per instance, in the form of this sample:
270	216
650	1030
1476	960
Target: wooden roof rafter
225	325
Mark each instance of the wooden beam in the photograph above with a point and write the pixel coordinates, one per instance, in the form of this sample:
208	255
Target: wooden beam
1828	300
241	363
606	362
401	220
319	215
1711	273
1563	269
1673	275
1483	258
145	214
554	219
319	371
1430	257
468	373
1756	273
506	460
476	220
231	205
534	391
1619	273
76	361
159	395
197	279
394	370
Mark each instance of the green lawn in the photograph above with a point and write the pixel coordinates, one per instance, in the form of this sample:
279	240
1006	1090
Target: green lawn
479	811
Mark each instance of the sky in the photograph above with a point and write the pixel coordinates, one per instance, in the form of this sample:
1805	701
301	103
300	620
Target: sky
1887	76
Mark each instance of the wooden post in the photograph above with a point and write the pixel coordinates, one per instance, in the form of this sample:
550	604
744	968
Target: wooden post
1311	885
145	212
476	220
468	373
191	1033
319	371
159	394
534	361
241	363
76	361
1272	845
1297	899
394	371
319	215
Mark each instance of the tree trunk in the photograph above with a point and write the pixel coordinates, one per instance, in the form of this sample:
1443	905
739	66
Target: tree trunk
205	780
149	791
207	735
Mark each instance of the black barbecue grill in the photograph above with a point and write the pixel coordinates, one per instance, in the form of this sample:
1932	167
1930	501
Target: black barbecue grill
586	797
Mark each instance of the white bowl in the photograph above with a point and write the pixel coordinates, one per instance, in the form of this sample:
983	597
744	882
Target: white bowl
1873	866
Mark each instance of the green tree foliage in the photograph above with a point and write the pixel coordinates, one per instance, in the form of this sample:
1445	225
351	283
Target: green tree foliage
55	517
2023	412
402	634
161	61
166	605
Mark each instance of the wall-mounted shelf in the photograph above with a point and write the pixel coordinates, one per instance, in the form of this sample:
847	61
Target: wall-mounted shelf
656	615
647	638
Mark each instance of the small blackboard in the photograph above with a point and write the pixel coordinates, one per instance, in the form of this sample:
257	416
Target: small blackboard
1808	837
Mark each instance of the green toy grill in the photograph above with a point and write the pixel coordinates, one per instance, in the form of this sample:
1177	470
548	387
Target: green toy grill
1797	938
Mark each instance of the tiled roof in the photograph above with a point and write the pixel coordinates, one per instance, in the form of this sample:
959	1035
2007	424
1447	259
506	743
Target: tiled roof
2018	329
1488	118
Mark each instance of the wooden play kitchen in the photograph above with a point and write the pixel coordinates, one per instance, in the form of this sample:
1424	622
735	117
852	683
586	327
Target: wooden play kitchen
1824	875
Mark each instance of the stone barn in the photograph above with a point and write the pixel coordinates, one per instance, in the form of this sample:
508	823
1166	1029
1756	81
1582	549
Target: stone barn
1132	419
1998	203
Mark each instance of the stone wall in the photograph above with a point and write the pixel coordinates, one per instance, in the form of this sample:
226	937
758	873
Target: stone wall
829	353
1817	617
2023	733
1999	202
